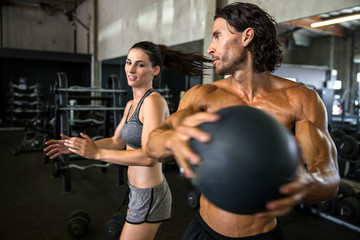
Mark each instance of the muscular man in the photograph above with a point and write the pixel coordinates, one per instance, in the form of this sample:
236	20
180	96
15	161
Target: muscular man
244	45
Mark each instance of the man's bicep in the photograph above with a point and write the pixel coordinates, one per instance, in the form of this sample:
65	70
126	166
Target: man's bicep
316	146
311	132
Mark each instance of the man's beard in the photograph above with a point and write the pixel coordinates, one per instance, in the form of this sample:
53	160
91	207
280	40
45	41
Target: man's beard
228	67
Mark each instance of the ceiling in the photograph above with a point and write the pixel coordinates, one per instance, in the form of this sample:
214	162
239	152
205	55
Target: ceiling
298	27
301	30
46	4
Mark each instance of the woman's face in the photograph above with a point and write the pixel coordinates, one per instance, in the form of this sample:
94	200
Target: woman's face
138	68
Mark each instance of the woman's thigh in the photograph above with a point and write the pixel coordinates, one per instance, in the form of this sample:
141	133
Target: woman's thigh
143	231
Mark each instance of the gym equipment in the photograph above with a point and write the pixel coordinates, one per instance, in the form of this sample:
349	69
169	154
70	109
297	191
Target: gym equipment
248	158
26	108
24	102
348	147
58	168
85	89
78	224
193	199
329	206
64	124
354	171
336	134
348	209
357	195
114	226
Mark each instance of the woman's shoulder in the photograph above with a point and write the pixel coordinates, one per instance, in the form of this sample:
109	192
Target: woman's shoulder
154	98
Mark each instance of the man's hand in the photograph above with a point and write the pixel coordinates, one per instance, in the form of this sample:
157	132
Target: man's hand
179	142
295	191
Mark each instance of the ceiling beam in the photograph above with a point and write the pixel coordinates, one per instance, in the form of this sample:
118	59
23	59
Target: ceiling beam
336	29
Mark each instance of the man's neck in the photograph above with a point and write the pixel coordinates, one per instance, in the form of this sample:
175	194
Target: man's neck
249	84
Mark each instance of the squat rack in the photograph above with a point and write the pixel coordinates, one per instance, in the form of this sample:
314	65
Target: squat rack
114	96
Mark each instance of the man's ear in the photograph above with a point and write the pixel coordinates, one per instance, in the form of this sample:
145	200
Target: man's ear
247	36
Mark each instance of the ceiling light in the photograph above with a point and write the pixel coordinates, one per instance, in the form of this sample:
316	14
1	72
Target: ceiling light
335	20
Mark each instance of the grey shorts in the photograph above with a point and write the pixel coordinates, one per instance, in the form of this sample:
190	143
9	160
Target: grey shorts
151	205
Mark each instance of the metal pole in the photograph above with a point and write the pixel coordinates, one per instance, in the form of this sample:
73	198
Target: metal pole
1	25
74	18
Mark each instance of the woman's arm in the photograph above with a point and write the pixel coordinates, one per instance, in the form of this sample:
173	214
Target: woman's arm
153	111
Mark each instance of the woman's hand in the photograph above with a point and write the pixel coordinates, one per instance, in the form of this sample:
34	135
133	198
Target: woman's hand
84	146
56	148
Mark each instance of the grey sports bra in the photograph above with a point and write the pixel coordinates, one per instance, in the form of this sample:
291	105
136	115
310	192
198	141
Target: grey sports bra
132	129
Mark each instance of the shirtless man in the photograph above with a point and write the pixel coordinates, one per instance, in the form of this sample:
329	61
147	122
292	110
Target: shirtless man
244	45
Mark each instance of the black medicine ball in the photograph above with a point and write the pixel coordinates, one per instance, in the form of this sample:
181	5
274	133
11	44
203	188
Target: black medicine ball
248	158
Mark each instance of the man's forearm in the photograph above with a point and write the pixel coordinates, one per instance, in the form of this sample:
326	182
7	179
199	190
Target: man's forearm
324	185
156	145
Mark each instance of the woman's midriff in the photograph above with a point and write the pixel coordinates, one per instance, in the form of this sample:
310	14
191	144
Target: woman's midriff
233	225
145	177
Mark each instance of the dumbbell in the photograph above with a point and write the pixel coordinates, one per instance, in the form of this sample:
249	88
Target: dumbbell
348	209
330	206
336	134
348	146
193	199
114	226
78	224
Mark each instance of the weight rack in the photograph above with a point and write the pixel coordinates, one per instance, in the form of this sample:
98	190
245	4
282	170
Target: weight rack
61	90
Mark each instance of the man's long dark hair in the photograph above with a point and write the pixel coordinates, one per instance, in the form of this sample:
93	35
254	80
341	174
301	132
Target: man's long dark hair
264	46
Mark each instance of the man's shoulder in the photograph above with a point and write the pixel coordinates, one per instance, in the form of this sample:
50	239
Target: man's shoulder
204	88
293	87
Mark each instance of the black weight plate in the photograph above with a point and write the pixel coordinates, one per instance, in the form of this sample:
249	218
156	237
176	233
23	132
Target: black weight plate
348	147
328	206
356	136
348	209
345	190
336	134
113	229
81	213
119	217
193	199
77	227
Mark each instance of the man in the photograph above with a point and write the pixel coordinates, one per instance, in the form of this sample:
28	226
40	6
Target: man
244	45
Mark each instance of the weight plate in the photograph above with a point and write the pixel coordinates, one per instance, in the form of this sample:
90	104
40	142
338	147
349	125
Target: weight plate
193	199
348	147
113	229
77	227
348	209
81	213
336	134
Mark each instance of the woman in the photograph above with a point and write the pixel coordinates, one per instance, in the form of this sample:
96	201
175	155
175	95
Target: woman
149	197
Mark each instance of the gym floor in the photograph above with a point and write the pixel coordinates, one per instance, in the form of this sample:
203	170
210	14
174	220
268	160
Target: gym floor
33	207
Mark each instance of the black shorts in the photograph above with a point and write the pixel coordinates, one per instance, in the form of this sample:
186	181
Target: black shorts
199	230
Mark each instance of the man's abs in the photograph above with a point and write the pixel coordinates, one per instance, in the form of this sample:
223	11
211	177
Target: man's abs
233	225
